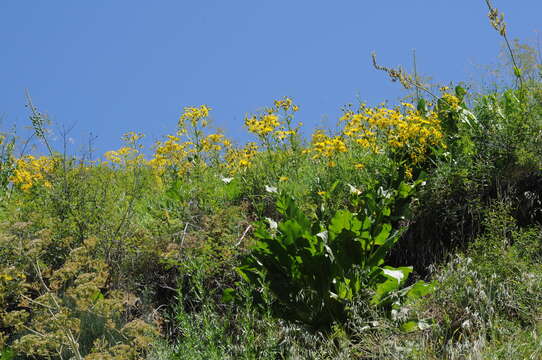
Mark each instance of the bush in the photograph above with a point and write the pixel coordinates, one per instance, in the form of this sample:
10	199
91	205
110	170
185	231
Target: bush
315	269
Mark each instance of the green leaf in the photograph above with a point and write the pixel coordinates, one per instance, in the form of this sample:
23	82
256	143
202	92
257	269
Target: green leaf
248	273
517	72
341	220
377	257
386	211
382	290
174	191
290	231
395	278
442	104
383	235
334	186
7	354
399	274
228	295
405	190
344	291
419	289
410	326
287	207
97	296
312	266
460	92
422	106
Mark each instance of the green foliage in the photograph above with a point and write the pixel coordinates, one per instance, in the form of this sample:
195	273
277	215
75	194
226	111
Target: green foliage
99	260
315	269
6	354
492	290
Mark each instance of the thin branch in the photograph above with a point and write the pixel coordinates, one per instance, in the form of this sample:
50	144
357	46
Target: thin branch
243	236
405	79
184	233
38	126
498	24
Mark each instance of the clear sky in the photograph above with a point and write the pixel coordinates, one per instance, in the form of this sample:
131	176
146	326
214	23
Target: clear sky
111	66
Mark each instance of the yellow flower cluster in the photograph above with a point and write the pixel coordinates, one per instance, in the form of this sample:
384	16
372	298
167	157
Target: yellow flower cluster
359	166
262	125
214	142
409	131
452	100
194	115
280	135
30	171
124	156
324	146
275	125
190	146
286	104
12	275
176	154
240	159
118	156
128	155
170	152
132	137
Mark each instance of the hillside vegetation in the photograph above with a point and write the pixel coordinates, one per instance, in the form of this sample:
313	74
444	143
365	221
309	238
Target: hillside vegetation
406	232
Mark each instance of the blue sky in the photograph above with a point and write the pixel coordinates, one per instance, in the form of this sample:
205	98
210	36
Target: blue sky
112	66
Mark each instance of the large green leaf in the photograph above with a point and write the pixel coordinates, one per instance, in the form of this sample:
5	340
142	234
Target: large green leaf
394	279
344	220
287	207
290	231
460	92
378	256
405	190
410	326
174	191
419	289
383	235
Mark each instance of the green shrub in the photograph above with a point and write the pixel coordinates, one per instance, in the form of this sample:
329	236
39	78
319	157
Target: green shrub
315	269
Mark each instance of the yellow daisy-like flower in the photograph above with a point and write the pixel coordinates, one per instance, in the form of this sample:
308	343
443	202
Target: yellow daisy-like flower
359	166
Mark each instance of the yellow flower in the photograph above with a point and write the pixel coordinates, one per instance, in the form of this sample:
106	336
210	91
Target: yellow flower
359	166
132	137
194	115
283	178
283	134
30	171
325	146
6	277
181	155
214	142
452	100
285	104
262	125
240	159
408	130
